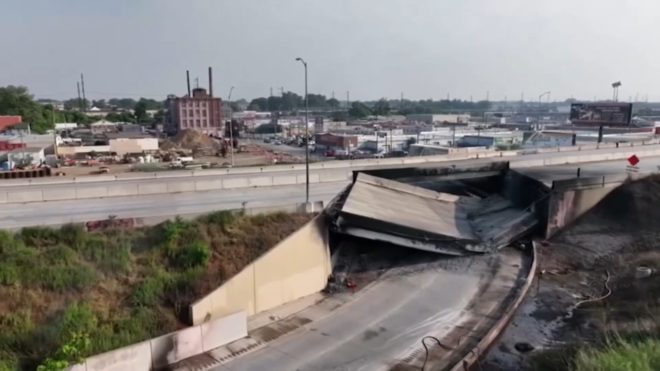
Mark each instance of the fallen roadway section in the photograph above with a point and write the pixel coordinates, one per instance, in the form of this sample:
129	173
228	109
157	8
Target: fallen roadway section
405	215
445	305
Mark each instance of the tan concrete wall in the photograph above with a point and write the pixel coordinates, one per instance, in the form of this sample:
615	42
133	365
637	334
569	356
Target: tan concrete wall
296	267
157	353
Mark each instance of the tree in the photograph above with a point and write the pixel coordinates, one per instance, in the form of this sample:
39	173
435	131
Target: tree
268	129
101	103
333	103
359	110
120	117
159	117
125	103
140	112
382	107
317	100
410	142
16	100
258	104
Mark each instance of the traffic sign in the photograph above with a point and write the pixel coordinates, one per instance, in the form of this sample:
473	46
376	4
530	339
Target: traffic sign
633	160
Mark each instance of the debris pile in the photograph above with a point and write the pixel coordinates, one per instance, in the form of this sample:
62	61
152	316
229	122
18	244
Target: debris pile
192	140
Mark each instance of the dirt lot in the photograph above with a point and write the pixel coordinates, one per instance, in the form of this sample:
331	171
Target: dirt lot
589	288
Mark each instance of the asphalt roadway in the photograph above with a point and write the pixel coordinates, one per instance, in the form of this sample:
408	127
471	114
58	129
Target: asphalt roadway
371	331
16	215
13	216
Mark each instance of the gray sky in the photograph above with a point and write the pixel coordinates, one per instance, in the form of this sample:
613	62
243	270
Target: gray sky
374	48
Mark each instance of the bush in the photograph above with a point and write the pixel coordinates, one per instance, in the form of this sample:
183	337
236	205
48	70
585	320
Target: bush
172	231
60	254
74	236
220	218
8	362
64	278
39	236
150	291
16	329
195	255
110	254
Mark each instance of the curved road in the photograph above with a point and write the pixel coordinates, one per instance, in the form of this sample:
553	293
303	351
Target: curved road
381	327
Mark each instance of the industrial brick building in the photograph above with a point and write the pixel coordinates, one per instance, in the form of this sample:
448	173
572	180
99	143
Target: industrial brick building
199	111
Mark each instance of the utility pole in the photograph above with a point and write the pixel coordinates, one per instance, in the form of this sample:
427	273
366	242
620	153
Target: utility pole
306	134
347	99
82	85
231	127
79	98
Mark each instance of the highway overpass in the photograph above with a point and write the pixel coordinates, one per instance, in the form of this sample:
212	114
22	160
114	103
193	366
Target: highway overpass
20	214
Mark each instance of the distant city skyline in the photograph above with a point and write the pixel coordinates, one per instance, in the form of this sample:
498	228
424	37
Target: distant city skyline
372	48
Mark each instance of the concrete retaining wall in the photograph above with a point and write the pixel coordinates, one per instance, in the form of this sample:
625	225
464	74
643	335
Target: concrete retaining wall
572	198
171	348
296	267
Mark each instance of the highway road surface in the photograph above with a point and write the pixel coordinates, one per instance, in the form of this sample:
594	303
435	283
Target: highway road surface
547	174
14	216
456	300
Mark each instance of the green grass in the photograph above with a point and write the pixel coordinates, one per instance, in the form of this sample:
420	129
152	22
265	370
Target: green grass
112	288
643	355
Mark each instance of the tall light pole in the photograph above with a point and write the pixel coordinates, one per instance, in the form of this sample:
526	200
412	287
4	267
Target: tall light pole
231	127
615	88
306	134
538	124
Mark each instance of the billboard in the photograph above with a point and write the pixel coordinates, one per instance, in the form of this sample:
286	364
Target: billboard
608	114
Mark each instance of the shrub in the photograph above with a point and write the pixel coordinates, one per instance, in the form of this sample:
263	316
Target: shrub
8	362
172	231
60	254
73	235
110	254
63	278
15	330
220	218
39	236
196	254
150	291
77	318
73	351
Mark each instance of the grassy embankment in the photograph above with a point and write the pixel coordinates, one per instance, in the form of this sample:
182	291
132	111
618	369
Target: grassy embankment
621	332
67	293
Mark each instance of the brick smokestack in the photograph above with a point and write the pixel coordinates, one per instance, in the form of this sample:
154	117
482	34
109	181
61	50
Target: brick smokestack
210	82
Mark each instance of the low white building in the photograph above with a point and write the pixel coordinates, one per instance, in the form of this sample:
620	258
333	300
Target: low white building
25	156
65	126
431	119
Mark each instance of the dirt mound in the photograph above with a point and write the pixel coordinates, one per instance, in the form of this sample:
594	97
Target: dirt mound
632	207
192	140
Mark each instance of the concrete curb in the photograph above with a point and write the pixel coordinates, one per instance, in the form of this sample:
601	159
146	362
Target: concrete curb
484	345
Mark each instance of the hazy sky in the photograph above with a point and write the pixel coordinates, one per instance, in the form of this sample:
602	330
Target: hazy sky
374	48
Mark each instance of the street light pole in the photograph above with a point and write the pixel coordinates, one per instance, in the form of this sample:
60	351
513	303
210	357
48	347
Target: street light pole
306	134
231	128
